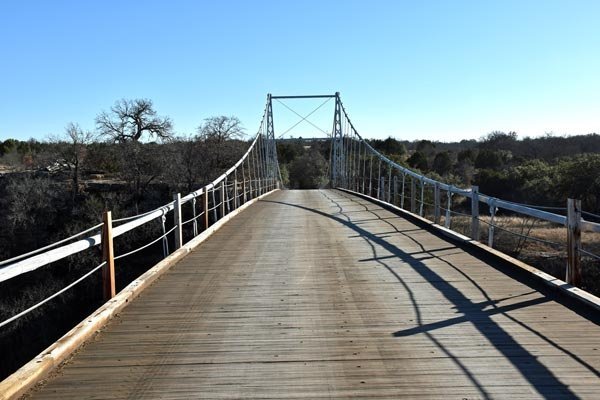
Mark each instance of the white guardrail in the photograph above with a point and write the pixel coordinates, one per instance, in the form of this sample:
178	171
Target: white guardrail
357	177
255	173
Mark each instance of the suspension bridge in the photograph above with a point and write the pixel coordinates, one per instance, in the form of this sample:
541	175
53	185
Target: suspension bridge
345	291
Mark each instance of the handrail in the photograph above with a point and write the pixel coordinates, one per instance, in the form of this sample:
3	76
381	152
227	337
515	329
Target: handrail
29	264
11	260
346	172
499	203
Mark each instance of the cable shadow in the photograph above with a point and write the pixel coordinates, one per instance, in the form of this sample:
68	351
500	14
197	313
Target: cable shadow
489	301
537	374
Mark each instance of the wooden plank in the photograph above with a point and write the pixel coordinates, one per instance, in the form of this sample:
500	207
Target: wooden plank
321	294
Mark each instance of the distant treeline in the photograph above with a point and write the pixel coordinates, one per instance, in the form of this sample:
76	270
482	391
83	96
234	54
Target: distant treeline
542	171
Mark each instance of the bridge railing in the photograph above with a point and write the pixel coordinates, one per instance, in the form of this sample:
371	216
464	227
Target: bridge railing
256	173
363	169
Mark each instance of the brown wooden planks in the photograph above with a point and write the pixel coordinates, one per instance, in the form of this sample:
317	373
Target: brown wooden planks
319	294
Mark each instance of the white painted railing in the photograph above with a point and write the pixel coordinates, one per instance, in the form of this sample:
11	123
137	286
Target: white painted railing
255	173
357	153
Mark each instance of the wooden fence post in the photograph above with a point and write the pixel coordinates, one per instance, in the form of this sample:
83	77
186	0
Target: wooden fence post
475	213
436	203
177	221
573	242
205	208
108	256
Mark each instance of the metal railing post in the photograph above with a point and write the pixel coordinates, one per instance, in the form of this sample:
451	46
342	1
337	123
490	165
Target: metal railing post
475	213
491	228
165	241
364	177
422	197
381	189
402	193
222	198
395	189
108	256
195	223
448	212
227	199
235	192
379	181
177	221
250	187
436	203
413	195
244	197
389	193
573	242
214	205
371	175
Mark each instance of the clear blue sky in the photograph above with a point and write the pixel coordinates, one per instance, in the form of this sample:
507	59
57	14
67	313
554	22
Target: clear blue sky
440	70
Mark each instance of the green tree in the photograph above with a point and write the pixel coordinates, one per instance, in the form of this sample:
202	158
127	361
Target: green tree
579	178
537	183
488	159
418	160
442	163
498	140
427	147
308	171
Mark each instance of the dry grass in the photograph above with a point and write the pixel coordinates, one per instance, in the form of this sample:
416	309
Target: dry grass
547	253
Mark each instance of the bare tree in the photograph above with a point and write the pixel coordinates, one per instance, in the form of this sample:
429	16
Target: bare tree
221	128
189	161
69	151
129	120
216	133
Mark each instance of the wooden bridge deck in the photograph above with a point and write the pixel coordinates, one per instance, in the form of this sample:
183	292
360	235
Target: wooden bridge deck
319	294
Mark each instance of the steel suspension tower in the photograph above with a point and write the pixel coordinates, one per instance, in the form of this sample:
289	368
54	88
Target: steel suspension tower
337	143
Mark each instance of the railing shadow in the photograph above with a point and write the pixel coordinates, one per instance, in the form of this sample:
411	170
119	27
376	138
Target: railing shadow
536	373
